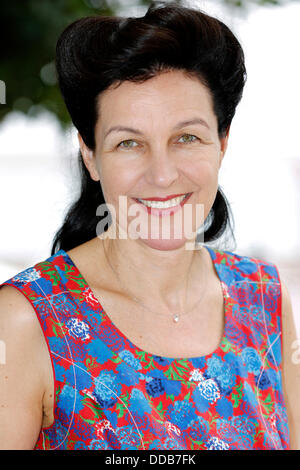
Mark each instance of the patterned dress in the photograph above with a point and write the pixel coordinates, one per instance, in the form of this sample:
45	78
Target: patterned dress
110	394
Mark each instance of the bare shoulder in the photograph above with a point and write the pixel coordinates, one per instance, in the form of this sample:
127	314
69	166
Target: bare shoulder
10	297
23	371
21	329
17	315
290	366
289	332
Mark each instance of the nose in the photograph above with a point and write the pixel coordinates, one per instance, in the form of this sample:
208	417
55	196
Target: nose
162	170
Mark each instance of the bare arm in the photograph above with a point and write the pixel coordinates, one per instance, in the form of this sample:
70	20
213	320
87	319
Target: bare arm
291	369
22	381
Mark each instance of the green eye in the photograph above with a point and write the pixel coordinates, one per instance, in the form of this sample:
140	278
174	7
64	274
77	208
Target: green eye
188	138
127	144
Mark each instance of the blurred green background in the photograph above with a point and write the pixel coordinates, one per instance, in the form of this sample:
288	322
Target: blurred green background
30	30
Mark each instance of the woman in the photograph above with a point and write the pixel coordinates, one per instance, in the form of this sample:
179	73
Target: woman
123	339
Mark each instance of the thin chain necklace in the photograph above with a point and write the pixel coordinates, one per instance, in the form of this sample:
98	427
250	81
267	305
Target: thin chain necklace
176	316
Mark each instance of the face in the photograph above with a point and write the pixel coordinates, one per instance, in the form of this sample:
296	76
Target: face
153	140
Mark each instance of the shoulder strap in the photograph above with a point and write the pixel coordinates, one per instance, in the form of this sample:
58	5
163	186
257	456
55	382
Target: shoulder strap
257	289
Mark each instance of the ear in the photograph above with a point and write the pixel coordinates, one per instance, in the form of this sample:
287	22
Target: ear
88	158
224	143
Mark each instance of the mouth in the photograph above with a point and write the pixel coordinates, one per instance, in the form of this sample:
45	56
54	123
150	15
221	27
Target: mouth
159	207
166	198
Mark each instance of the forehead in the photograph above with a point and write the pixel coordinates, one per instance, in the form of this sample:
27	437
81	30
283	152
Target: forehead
162	96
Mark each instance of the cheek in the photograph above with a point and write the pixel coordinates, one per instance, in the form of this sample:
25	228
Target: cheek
203	173
116	181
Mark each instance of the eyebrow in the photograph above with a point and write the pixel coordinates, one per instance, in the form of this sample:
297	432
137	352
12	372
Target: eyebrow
179	125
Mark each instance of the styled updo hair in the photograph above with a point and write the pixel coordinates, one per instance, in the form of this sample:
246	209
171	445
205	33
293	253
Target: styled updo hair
96	52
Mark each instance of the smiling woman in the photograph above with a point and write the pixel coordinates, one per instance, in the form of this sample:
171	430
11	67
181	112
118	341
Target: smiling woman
126	338
142	150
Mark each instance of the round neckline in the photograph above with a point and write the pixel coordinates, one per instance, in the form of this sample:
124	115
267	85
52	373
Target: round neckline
136	350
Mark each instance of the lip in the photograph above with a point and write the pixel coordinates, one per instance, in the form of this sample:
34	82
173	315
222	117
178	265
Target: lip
172	196
167	211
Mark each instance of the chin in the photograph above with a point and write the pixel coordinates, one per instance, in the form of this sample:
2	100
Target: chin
164	245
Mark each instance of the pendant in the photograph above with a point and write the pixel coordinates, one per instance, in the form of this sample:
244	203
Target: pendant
176	317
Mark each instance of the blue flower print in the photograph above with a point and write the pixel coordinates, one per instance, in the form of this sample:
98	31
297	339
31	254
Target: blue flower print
112	417
172	444
60	373
60	431
236	364
82	379
126	374
109	396
78	329
138	402
129	435
70	400
198	362
209	390
224	407
225	274
215	443
262	380
155	387
162	360
168	444
98	445
250	395
222	372
246	266
196	375
63	303
99	350
275	379
182	413
28	275
234	333
244	425
201	403
282	421
227	378
107	389
172	387
157	444
214	366
129	358
199	429
252	360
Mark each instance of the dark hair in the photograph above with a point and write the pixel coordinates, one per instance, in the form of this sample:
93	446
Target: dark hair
95	52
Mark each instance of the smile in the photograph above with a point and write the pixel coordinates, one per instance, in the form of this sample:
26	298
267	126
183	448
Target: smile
164	207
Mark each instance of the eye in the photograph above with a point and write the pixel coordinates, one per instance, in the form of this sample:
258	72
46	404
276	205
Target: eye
188	138
127	144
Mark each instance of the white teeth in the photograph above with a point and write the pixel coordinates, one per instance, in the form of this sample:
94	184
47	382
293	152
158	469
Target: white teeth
165	204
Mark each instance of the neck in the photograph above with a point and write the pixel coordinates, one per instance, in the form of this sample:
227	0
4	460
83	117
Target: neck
158	278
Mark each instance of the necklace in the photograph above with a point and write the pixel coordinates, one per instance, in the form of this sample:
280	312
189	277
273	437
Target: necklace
176	316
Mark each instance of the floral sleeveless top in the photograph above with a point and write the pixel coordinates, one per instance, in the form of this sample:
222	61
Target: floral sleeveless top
110	394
